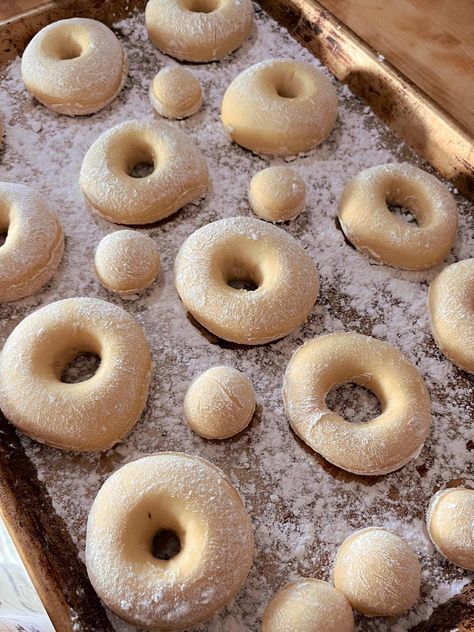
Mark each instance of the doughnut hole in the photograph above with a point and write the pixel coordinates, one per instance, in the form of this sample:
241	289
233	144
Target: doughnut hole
409	209
161	531
353	402
201	6
289	84
81	368
66	42
246	266
4	222
134	156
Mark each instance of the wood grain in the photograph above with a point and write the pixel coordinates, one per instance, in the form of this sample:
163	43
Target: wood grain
9	8
429	41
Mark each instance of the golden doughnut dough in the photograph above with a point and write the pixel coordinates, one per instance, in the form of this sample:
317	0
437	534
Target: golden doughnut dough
198	30
451	310
175	93
368	223
179	172
75	66
383	444
34	244
450	521
308	605
127	261
219	403
168	494
378	572
85	416
217	262
277	194
280	107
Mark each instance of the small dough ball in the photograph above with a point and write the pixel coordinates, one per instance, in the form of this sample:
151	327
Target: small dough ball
450	522
127	261
308	605
175	93
378	572
277	194
219	403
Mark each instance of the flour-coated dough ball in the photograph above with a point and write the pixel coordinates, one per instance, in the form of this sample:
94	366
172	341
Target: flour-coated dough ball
175	93
378	572
277	194
219	403
127	261
308	605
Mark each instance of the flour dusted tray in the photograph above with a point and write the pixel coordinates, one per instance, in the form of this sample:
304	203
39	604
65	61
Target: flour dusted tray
301	506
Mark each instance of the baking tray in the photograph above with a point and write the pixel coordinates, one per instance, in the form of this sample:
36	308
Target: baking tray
39	532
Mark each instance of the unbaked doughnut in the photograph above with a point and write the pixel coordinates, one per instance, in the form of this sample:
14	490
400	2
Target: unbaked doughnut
219	403
127	261
84	416
175	93
277	194
168	495
179	172
280	107
217	262
383	444
378	572
450	521
75	66
34	244
198	30
308	605
451	310
368	223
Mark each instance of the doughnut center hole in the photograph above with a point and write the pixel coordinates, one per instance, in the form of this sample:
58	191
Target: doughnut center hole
403	213
290	86
65	44
241	276
353	402
140	161
4	224
165	544
202	6
82	367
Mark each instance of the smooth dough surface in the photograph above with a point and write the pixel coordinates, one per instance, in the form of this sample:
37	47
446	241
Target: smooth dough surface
378	446
378	572
127	261
179	172
450	522
374	230
75	66
198	30
84	416
308	605
168	492
280	107
277	194
34	244
219	403
247	250
175	93
451	310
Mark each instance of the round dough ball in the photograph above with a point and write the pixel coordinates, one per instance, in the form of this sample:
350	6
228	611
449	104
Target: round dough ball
277	194
127	261
175	93
450	522
219	403
308	605
378	572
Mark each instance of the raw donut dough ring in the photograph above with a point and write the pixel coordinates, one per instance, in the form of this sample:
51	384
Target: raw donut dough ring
308	605
75	66
175	93
85	416
180	173
378	572
277	194
294	94
383	444
450	522
219	403
198	30
450	303
245	249
368	223
127	261
195	500
34	245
